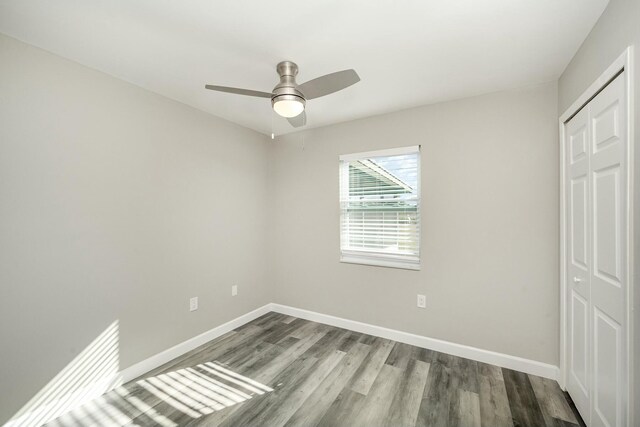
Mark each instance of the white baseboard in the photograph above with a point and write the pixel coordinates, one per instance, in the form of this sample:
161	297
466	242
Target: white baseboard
165	356
486	356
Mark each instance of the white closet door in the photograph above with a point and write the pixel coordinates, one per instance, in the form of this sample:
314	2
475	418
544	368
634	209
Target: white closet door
608	282
596	169
579	265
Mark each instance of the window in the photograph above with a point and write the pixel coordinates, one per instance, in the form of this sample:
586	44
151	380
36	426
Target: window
380	208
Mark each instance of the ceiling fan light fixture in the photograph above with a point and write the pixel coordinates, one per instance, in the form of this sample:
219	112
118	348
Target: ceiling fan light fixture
288	105
288	98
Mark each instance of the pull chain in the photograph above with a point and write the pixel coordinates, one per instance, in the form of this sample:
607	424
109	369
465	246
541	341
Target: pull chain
273	135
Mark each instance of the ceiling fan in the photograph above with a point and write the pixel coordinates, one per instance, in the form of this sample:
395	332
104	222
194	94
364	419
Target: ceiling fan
288	98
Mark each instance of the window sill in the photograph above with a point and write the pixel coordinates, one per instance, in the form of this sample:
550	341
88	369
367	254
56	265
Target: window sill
405	265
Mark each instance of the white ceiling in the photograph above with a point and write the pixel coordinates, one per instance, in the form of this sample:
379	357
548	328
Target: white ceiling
407	53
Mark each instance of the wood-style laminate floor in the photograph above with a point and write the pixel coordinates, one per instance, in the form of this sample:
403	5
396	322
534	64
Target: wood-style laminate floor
284	371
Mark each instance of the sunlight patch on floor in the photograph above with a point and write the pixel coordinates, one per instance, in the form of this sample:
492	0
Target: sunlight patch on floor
194	391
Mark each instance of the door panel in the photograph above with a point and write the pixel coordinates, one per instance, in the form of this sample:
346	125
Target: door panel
606	129
578	143
578	211
579	343
606	397
606	236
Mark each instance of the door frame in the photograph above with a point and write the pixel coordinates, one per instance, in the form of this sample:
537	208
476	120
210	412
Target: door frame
623	63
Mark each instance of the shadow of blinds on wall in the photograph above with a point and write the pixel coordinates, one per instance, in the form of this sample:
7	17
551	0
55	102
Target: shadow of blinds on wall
90	374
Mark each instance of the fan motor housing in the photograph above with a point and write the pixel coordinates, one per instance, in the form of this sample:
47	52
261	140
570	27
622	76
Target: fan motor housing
287	87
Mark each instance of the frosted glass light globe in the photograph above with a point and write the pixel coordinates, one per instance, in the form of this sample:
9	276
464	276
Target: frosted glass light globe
288	107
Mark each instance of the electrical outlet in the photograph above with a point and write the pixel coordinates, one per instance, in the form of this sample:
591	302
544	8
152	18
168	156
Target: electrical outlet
234	290
422	301
193	304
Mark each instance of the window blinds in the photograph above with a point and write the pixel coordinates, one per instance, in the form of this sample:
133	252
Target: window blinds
380	207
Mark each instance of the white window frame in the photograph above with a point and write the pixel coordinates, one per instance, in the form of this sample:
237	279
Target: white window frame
378	259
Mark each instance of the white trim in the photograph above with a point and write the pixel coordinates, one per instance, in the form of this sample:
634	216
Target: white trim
623	62
486	356
169	354
632	415
562	379
381	153
379	262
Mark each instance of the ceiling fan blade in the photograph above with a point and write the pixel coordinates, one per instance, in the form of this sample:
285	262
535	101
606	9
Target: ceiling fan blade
299	120
328	84
237	91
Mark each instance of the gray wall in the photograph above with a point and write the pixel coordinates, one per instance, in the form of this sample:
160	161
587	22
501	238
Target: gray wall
116	203
490	223
617	28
